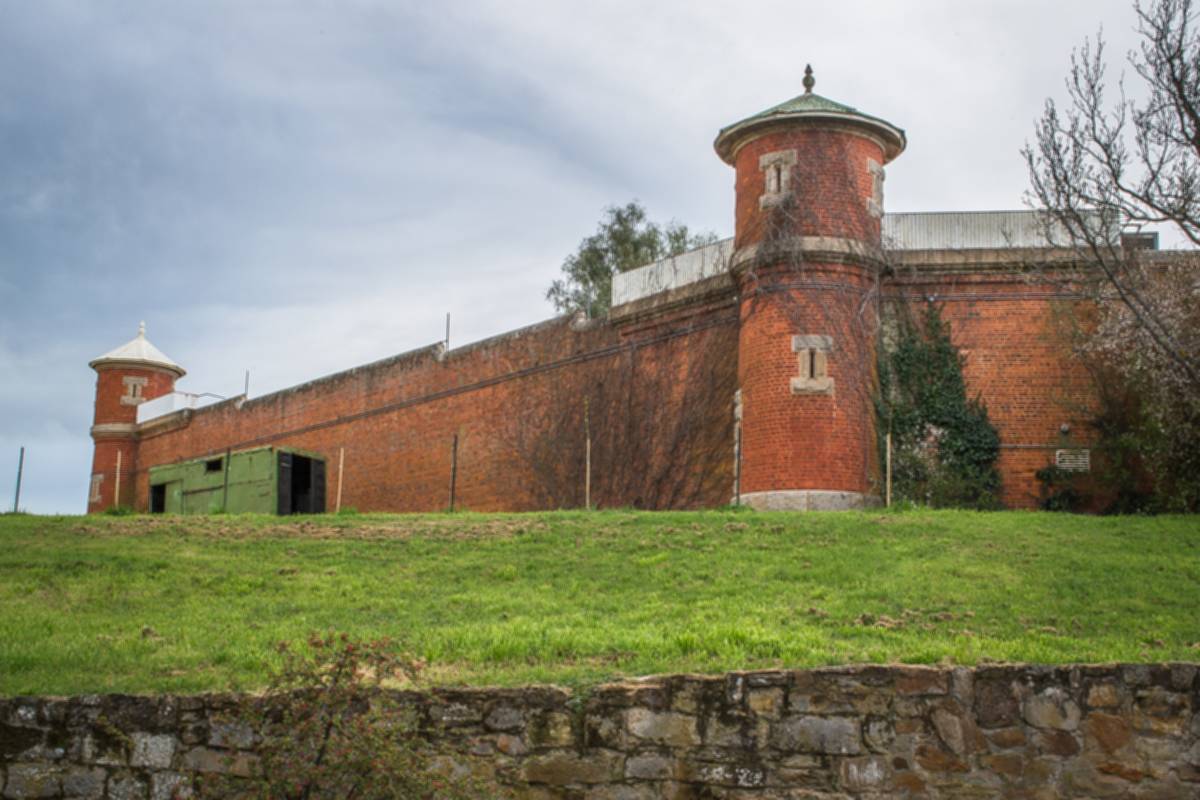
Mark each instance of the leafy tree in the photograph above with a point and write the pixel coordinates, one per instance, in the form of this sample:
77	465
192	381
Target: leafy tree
625	239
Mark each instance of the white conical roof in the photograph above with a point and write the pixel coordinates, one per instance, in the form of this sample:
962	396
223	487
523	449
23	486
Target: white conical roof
138	351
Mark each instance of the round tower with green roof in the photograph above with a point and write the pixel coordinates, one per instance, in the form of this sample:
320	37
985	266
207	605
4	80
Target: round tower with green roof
808	257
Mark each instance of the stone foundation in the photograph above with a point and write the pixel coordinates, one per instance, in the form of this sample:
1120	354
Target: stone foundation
1126	731
809	500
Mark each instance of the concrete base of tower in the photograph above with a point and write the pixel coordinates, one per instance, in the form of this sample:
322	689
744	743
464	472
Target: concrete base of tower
809	500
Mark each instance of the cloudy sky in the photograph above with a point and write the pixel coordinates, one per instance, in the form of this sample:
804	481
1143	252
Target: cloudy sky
294	188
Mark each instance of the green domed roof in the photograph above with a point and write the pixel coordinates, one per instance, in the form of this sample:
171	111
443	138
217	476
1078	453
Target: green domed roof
809	106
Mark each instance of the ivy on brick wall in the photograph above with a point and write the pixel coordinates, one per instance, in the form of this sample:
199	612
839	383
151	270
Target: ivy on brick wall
944	447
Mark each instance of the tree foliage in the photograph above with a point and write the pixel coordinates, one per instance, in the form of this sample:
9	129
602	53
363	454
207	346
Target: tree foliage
1098	165
625	239
943	444
1125	157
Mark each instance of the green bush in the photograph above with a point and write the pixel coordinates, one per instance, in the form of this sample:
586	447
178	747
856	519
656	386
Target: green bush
944	447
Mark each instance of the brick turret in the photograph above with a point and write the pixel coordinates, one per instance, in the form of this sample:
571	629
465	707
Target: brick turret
807	260
135	372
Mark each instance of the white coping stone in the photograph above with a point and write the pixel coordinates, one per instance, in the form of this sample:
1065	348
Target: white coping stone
808	500
671	273
952	230
170	403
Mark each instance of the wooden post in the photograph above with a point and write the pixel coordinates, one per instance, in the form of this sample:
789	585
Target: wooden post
453	469
889	469
737	463
341	463
117	483
20	469
587	438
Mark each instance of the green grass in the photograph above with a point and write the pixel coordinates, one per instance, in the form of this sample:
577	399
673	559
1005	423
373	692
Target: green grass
104	604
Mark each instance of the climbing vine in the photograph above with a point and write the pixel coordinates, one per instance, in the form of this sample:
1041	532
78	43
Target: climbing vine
944	447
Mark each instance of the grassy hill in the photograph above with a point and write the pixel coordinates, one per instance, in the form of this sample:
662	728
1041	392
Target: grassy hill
102	604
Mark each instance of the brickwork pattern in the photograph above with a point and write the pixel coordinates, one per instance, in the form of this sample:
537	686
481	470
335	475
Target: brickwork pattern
1016	363
806	441
503	398
1118	731
831	182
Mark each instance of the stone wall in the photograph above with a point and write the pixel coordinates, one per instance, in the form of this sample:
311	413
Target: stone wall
1123	731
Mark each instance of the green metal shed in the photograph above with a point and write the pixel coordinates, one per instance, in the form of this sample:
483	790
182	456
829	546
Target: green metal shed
265	480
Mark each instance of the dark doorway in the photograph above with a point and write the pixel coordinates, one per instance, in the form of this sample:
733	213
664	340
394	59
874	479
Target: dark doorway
158	498
301	484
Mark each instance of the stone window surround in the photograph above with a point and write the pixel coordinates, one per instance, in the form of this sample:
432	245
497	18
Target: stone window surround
134	390
777	176
812	351
97	481
875	203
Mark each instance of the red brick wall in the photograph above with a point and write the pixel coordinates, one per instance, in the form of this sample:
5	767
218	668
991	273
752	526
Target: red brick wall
1016	362
830	181
104	463
110	388
109	410
516	404
807	441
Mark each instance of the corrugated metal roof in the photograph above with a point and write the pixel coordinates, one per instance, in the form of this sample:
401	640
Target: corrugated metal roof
969	230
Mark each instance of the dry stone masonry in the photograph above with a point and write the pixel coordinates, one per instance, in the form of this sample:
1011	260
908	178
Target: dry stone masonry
1113	731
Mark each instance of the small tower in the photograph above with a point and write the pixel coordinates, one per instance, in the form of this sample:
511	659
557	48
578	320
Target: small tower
135	372
807	260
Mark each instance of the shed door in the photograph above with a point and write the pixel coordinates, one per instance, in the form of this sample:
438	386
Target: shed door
317	505
285	484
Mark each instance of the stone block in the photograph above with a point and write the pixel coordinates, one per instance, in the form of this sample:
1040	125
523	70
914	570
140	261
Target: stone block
867	774
84	783
32	781
153	751
127	787
1009	765
996	704
808	734
504	718
1056	743
650	767
551	730
225	762
1106	732
564	768
934	759
233	735
1086	781
922	680
766	702
1103	695
1053	709
667	727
